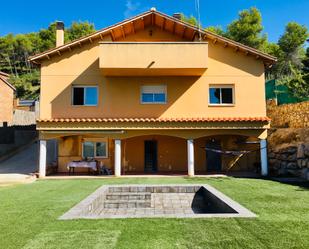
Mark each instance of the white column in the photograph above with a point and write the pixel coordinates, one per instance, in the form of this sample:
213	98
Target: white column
42	160
190	148
264	164
117	157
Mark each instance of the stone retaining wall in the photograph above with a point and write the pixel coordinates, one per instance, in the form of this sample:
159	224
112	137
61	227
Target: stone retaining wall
288	115
288	152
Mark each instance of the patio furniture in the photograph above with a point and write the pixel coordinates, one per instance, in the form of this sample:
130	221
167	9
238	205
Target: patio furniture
104	170
90	165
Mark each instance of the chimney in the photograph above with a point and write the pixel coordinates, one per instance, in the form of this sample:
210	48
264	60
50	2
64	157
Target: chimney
59	33
177	16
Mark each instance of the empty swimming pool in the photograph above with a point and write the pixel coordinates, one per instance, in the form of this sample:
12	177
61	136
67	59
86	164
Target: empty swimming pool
146	201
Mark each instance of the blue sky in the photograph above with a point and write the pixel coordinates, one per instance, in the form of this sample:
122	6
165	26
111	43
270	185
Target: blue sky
26	16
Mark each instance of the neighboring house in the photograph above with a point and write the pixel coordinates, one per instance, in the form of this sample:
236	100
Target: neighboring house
7	91
149	94
24	105
25	112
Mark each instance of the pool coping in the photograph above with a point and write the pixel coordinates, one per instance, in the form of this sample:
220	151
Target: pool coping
77	211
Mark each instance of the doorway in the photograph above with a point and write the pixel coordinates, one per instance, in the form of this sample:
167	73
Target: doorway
213	159
151	156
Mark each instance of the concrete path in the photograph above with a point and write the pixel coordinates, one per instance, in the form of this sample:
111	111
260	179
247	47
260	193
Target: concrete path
19	167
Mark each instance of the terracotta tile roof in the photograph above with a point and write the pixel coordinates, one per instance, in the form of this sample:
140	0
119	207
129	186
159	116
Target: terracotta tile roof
136	120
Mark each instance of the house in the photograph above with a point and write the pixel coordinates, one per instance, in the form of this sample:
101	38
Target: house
25	104
7	91
153	94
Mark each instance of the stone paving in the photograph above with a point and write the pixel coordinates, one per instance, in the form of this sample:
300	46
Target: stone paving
146	201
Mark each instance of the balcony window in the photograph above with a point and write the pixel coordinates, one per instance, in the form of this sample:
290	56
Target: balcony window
153	94
95	149
85	95
221	95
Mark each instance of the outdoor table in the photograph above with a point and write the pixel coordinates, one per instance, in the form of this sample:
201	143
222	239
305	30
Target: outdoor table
82	164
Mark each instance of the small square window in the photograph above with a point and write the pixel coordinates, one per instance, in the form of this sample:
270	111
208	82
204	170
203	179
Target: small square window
153	94
85	95
221	95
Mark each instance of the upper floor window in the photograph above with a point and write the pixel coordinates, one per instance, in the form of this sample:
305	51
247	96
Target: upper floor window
85	95
221	95
153	94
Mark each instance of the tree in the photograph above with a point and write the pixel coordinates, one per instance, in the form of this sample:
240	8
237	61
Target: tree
272	49
297	83
293	38
247	29
15	50
292	51
27	85
189	19
14	53
6	54
306	62
216	29
79	29
47	37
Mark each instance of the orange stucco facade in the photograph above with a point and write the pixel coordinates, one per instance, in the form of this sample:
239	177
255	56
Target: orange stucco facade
119	96
187	96
6	100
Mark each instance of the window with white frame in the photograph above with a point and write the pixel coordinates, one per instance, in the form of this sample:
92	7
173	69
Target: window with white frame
221	95
94	149
85	95
153	94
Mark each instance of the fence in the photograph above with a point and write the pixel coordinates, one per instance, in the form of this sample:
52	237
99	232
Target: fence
279	92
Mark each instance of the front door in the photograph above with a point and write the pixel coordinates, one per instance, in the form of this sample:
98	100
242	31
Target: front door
150	156
213	159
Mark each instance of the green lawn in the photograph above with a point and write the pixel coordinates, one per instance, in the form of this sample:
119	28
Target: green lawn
28	218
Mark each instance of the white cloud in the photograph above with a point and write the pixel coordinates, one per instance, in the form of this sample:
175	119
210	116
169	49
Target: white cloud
132	8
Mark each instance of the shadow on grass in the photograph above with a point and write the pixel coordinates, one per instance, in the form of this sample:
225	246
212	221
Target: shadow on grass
205	179
302	184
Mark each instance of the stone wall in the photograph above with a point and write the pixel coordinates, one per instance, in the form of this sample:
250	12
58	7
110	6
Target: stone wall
288	115
21	117
288	152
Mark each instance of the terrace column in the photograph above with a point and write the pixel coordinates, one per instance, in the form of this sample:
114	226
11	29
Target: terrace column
190	148
264	164
117	157
42	159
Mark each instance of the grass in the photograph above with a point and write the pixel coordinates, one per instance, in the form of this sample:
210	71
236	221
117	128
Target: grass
28	218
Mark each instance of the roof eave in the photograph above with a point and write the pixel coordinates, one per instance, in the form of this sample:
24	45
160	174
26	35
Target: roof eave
205	33
8	83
